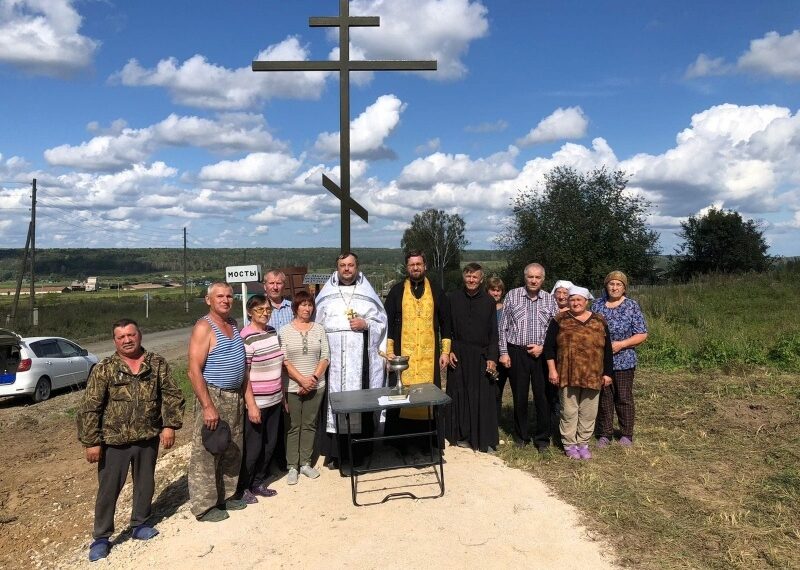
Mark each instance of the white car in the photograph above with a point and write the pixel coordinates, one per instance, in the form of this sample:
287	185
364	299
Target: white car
36	366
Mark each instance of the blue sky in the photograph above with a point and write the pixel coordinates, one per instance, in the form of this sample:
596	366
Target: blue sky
141	118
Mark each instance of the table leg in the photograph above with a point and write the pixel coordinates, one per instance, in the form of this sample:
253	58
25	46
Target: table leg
441	451
353	484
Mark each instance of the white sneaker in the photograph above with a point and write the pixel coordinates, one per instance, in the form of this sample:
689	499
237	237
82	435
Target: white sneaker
292	477
309	471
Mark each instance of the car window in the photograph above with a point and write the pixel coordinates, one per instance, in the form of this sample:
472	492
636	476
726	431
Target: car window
67	348
46	349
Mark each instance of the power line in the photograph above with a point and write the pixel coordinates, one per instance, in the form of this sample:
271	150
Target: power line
152	231
97	226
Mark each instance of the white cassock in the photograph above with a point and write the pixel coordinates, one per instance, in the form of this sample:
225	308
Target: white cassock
334	303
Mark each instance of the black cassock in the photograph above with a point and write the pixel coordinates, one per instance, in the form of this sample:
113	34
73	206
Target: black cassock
472	416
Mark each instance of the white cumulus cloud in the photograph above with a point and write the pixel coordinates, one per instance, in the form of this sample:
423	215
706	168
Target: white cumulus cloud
742	157
318	208
41	37
368	131
431	145
420	30
197	82
561	124
228	132
259	167
458	168
705	66
119	189
773	55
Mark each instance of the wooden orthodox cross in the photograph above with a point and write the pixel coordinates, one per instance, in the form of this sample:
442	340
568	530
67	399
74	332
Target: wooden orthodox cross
344	66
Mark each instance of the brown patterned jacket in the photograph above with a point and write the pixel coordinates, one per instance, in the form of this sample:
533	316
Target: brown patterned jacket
120	407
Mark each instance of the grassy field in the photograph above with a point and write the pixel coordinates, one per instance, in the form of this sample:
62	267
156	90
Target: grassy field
179	372
729	323
713	480
88	316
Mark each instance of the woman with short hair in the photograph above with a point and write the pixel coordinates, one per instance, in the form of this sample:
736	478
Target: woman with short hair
577	349
305	345
263	397
496	289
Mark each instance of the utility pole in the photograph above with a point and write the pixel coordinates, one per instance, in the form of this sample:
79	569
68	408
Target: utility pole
21	273
30	244
33	250
185	281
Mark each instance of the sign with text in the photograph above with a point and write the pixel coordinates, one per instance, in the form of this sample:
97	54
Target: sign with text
243	273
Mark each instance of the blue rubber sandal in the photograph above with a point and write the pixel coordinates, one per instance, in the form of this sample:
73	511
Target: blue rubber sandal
99	549
144	532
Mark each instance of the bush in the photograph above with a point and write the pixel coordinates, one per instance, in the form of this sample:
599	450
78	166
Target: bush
785	354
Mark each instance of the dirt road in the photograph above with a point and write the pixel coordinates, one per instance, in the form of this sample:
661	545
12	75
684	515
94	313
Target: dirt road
172	345
490	516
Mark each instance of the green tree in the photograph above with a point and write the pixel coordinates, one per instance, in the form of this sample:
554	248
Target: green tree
720	241
440	236
580	227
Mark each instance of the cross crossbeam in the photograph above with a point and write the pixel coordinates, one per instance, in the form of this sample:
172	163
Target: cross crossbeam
344	65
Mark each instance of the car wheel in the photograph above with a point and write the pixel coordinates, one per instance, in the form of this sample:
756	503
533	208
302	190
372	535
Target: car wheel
42	391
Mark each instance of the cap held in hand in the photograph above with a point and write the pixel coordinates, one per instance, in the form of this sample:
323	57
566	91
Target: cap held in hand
217	441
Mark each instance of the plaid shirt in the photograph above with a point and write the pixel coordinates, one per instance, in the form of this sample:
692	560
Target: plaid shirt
282	315
525	319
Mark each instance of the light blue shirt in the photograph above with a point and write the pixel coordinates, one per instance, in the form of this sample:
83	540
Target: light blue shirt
281	315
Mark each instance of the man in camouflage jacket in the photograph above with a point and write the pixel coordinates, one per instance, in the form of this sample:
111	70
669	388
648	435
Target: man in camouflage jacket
131	403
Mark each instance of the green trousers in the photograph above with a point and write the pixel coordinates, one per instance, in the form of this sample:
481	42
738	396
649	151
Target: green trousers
301	426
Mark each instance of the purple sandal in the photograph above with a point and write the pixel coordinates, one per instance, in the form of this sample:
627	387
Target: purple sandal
263	491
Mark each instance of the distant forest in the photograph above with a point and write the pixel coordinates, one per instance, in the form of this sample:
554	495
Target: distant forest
62	264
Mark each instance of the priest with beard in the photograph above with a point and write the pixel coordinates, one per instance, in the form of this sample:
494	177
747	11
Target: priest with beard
472	415
355	322
418	327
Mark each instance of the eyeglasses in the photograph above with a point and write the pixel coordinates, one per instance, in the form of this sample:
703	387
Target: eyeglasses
259	310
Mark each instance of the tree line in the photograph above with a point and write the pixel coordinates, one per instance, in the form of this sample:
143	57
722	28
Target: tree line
76	263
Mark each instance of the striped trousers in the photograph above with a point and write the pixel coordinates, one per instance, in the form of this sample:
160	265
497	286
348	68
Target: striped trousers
618	397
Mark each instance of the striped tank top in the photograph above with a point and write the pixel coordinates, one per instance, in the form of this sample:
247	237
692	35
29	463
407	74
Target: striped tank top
224	367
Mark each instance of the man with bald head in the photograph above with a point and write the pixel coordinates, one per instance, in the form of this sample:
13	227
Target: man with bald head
527	311
216	371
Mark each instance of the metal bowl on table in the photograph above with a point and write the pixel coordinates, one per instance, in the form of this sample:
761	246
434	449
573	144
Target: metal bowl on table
398	363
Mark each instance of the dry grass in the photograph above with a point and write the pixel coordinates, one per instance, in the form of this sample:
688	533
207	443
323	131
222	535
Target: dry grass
712	482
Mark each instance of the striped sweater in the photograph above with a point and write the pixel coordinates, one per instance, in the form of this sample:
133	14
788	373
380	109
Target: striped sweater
264	359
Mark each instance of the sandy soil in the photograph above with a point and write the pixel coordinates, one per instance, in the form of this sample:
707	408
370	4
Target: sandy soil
490	516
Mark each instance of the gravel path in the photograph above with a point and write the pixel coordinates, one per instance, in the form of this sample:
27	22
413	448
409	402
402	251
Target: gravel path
491	516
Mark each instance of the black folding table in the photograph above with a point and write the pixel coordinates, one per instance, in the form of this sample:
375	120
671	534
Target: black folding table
360	401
